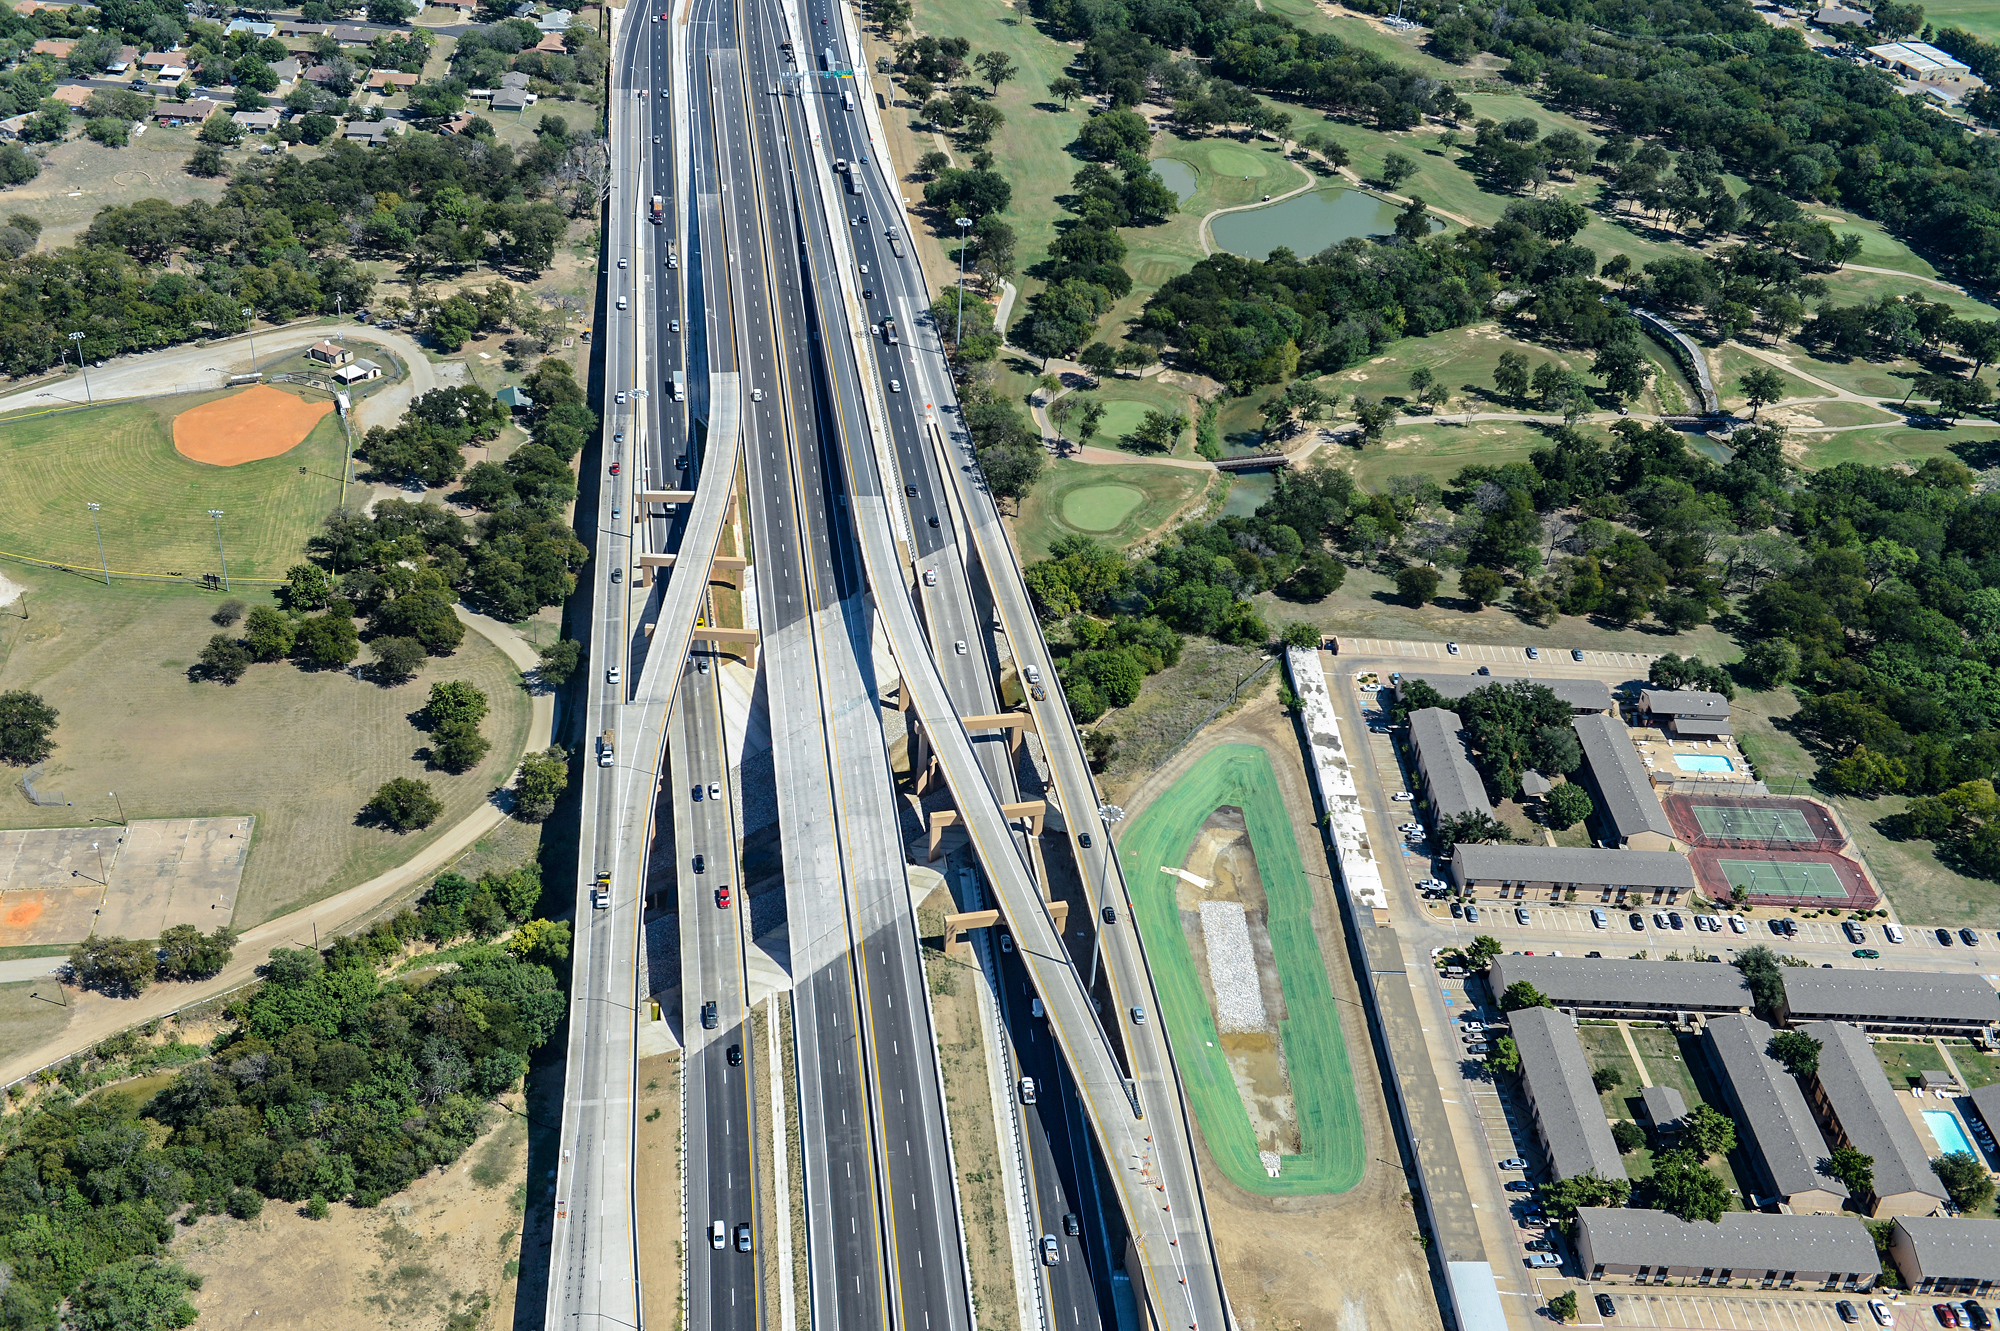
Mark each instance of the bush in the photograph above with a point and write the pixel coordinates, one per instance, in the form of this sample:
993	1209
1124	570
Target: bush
1629	1135
224	659
229	612
244	1204
396	659
405	804
316	1209
1417	583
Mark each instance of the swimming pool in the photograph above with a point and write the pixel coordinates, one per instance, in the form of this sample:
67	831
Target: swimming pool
1702	762
1949	1135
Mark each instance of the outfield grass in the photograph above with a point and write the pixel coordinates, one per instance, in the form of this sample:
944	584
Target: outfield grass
303	751
155	503
1076	496
1332	1151
1977	17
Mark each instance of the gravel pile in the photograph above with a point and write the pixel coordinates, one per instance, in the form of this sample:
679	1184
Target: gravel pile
1232	968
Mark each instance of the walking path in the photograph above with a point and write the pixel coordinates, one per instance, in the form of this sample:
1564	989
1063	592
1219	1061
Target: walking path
1950	1062
97	1017
1631	1047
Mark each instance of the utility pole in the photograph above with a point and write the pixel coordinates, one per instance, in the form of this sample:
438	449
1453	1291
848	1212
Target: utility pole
963	223
216	513
249	317
346	407
100	543
81	364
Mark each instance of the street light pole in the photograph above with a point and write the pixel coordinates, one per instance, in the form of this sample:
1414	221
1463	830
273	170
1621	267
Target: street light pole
249	317
346	406
81	364
1108	815
216	513
102	561
122	820
962	223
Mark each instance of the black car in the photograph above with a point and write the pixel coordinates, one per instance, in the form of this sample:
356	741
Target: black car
931	520
910	490
1848	1312
1969	938
1519	1185
1605	1306
1674	918
735	1056
1636	920
1944	937
701	864
1111	914
1071	1225
1977	1315
1083	839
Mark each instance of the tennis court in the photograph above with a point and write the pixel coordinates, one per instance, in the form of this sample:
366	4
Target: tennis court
1332	1152
1773	878
1738	823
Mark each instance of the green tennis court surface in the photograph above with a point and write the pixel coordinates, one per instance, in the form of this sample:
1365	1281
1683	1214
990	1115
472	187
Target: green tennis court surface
1770	878
1739	824
1331	1153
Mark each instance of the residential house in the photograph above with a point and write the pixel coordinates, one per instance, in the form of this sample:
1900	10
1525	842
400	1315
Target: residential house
294	29
1624	790
258	122
1767	1251
556	20
1774	1125
515	79
391	80
1555	1077
1858	1108
507	99
127	57
11	127
254	27
59	47
348	35
166	66
72	95
319	74
458	124
552	43
1452	785
1958	1255
287	71
372	132
194	111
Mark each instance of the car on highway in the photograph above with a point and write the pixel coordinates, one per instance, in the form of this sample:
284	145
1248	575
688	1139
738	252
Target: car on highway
621	397
1138	1016
1737	925
1027	1090
1071	1224
1519	1185
673	325
1083	839
1943	937
1867	954
622	302
1855	933
611	675
1605	1307
959	646
1636	920
756	395
1111	914
701	664
701	864
895	385
1969	938
709	1019
715	790
696	794
722	897
1893	932
1534	653
1035	1008
1521	915
930	577
931	521
1598	919
1451	647
1515	1162
743	1238
718	1233
1051	1251
1006	942
1038	693
735	1056
624	263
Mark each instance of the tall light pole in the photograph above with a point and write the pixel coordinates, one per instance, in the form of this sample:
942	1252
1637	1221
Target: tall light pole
106	564
346	406
249	319
963	223
81	364
1108	815
121	809
216	513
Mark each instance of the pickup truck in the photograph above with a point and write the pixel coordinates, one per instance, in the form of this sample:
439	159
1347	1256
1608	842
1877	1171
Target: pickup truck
605	757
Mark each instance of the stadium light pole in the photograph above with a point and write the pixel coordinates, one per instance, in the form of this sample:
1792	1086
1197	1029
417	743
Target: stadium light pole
249	319
81	364
102	561
962	223
216	513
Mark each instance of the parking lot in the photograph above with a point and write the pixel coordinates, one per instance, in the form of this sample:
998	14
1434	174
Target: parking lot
1408	655
1685	1310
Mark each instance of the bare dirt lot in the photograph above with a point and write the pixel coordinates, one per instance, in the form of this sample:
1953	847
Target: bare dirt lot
1349	1262
440	1255
79	178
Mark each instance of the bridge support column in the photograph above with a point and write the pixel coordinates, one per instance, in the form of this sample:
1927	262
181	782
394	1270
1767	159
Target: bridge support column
746	638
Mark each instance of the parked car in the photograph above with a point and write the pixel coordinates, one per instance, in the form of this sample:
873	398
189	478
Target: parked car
1969	938
1519	1185
1976	1315
1451	647
1855	933
1736	923
1636	920
1605	1307
1534	653
1521	915
1402	796
1884	1314
1893	932
1944	940
1472	914
1659	919
1848	1312
1479	1050
1598	918
1537	1260
1942	1311
1576	654
1674	918
1514	1162
1539	1245
1457	911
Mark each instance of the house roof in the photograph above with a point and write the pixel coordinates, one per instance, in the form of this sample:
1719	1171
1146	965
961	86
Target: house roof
1956	1247
252	26
555	20
1664	1105
1744	1242
199	108
1454	786
1558	1076
1626	790
161	59
1572	864
350	33
1920	57
71	94
1582	695
1861	1100
513	396
1692	986
514	78
286	70
552	42
1885	996
1781	1133
392	78
457	124
1694	725
1683	702
1986	1100
1534	783
510	99
265	119
1835	14
58	47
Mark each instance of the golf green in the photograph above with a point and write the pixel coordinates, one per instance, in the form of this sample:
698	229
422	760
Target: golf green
1098	508
1331	1151
1121	417
1239	162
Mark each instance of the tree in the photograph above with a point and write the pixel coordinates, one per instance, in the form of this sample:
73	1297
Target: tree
1761	386
121	967
1522	994
541	781
1852	1168
1510	376
1561	1198
1098	358
457	746
1505	1056
543	942
268	633
396	659
187	954
1964	1176
136	1294
1299	633
307	587
1629	1135
996	67
224	659
1708	1130
27	727
1762	972
1480	955
1467	828
1417	583
1683	1186
1604	1078
328	641
1065	88
559	661
221	131
1481	586
1397	168
1798	1051
455	700
405	804
932	162
1373	417
1567	805
390	11
1563	1306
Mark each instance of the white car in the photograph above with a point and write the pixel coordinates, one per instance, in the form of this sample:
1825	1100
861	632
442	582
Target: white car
621	397
1027	1090
1737	925
959	647
930	577
895	385
1893	932
1884	1314
1402	797
756	395
1451	647
1409	827
611	675
715	790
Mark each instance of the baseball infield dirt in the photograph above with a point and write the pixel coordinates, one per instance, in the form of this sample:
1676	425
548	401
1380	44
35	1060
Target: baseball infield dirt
259	422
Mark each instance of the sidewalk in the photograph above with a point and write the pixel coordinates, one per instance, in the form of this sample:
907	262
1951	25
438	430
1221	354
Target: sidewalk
96	1016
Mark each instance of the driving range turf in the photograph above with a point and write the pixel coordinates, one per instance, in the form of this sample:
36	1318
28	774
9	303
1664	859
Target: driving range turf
1329	1122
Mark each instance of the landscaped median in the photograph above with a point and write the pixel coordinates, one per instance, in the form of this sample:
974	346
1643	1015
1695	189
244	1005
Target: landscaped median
1322	1148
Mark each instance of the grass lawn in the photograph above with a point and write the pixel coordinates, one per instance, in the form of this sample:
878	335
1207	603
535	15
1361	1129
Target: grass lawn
1735	362
26	1021
1114	504
1126	402
1975	16
1977	1068
1439	448
155	502
1904	1061
302	751
81	178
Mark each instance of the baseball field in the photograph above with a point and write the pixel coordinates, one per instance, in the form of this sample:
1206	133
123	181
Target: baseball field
271	464
1331	1154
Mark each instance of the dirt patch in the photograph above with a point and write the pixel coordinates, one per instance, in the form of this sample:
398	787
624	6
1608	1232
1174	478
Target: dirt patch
439	1256
259	422
657	1174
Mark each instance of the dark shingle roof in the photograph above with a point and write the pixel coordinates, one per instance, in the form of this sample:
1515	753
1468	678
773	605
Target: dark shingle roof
1683	702
1745	1241
1956	1247
1781	1132
1582	695
1558	1076
1865	1106
1484	862
1620	777
1693	986
1454	784
1869	995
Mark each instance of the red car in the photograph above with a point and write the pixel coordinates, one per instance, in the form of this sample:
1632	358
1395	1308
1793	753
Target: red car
614	469
722	900
1945	1316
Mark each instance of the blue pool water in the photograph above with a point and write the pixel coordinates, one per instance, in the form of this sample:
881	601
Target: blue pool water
1950	1136
1702	762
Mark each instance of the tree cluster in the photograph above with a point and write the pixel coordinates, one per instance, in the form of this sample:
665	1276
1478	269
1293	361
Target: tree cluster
124	967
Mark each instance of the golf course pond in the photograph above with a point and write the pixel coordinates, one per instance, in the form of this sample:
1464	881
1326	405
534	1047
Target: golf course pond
1305	223
1177	175
1100	508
